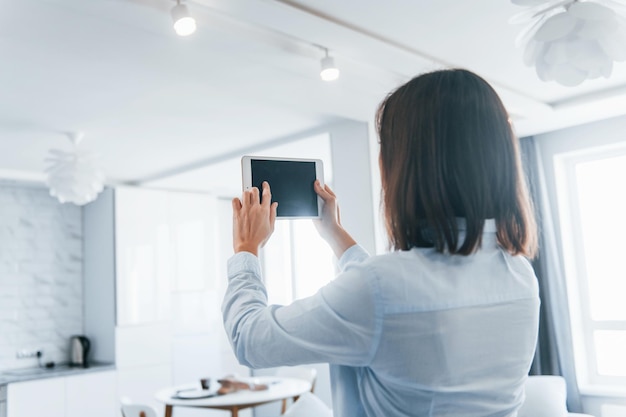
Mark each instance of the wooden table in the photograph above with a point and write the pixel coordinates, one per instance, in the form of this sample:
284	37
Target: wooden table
279	389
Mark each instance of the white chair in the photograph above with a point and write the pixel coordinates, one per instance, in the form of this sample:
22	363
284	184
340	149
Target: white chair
546	396
308	405
297	372
129	409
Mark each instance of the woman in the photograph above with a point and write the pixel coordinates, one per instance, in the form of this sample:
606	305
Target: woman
446	324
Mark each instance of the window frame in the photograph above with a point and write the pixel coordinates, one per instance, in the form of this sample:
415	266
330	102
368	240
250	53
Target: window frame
583	326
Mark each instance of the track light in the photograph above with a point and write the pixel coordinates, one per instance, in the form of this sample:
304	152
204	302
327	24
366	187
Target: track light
329	71
184	24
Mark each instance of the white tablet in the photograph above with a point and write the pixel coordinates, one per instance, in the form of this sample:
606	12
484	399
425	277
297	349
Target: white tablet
291	182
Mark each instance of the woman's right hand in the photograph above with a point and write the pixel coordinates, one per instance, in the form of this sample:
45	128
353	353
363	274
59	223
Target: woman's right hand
329	225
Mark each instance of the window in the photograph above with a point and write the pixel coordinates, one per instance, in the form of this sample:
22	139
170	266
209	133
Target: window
592	206
297	262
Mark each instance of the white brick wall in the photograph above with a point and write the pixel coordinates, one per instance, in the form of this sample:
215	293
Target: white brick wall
40	274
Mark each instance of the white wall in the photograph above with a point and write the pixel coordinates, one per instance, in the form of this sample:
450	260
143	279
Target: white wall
352	179
40	274
99	270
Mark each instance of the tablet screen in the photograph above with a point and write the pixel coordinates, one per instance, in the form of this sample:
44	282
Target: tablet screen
291	183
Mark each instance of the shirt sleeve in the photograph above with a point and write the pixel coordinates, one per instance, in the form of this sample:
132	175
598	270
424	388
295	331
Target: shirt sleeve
340	324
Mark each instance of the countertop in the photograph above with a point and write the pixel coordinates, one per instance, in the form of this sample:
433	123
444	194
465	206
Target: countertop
9	376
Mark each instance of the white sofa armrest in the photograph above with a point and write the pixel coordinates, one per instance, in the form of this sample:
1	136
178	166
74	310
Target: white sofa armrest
545	397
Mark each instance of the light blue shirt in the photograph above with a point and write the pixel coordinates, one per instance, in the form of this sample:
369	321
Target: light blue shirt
411	333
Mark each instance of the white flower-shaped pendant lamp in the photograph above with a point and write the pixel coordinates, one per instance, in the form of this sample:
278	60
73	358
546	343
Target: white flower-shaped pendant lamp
74	176
570	41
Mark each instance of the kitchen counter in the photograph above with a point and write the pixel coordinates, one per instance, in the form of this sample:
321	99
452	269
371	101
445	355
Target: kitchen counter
10	376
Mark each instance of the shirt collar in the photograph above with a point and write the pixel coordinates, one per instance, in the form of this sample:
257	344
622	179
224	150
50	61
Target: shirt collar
490	225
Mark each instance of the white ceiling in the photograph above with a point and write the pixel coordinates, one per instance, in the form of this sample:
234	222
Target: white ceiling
152	103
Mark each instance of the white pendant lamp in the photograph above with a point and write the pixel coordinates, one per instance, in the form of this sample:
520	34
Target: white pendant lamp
74	176
184	23
570	41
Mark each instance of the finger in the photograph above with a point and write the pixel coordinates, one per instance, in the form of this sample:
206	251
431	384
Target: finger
273	211
329	190
273	208
267	195
236	206
236	203
321	191
316	186
254	196
245	198
338	215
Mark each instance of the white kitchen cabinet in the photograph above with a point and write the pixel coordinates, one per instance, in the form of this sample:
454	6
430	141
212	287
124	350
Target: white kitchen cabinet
162	245
192	222
43	397
140	383
143	253
164	242
146	345
91	394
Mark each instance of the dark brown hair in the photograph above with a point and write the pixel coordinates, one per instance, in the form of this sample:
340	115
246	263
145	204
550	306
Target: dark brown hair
447	150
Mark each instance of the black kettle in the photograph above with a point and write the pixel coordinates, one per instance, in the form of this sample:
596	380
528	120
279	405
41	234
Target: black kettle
79	349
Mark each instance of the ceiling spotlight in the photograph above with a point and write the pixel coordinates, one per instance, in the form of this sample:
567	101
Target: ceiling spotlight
329	71
184	24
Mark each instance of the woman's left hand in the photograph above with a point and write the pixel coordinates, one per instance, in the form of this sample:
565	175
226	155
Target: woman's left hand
253	221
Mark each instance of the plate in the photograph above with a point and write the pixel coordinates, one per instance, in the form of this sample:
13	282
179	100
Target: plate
194	394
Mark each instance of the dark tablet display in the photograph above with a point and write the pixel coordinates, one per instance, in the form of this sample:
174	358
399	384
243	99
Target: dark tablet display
291	182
